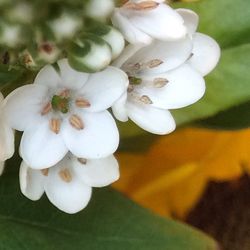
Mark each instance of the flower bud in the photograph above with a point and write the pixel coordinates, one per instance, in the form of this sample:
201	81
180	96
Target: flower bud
65	26
89	53
99	9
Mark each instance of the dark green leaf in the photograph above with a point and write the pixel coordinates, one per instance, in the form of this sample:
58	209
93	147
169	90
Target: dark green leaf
110	222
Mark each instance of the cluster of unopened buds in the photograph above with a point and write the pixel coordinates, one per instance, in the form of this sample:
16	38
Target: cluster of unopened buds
69	136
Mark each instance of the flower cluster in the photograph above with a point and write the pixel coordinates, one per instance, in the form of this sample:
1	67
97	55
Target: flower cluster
69	136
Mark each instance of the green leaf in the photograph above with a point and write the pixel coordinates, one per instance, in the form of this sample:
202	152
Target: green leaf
110	221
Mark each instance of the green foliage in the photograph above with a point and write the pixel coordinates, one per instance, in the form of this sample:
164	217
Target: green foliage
109	222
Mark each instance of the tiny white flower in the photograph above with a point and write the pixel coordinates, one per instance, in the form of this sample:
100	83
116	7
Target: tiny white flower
100	9
65	110
165	76
68	184
143	21
6	137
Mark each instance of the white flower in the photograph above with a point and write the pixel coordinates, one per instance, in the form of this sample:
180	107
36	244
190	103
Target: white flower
141	21
165	75
99	9
68	184
65	110
6	137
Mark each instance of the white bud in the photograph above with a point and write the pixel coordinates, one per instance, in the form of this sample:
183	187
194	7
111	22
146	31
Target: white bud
100	9
116	41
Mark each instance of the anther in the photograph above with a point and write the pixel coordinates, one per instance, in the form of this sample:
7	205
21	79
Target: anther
47	108
82	103
145	99
83	161
146	5
130	88
76	122
65	93
160	82
45	171
154	63
55	125
65	175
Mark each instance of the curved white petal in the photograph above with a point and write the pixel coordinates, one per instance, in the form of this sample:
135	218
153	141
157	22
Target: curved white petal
7	146
151	119
24	105
184	87
161	23
65	190
206	53
104	88
48	76
130	32
128	52
191	20
119	108
40	147
1	98
31	182
98	139
70	78
97	173
171	55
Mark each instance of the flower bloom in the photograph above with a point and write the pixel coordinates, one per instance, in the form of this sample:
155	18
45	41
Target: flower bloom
65	110
68	184
6	137
142	21
165	75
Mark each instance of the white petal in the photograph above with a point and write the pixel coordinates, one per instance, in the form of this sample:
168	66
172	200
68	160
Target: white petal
130	32
185	86
71	79
104	88
71	195
128	52
98	139
151	119
31	182
2	165
161	23
7	146
40	147
24	105
119	108
191	20
48	77
97	173
206	53
172	55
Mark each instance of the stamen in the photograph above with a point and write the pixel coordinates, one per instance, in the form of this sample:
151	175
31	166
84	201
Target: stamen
145	99
134	80
154	63
65	93
160	82
47	108
76	122
130	88
146	5
82	103
45	171
65	175
83	161
55	125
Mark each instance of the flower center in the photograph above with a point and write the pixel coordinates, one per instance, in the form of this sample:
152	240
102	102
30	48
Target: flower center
60	103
